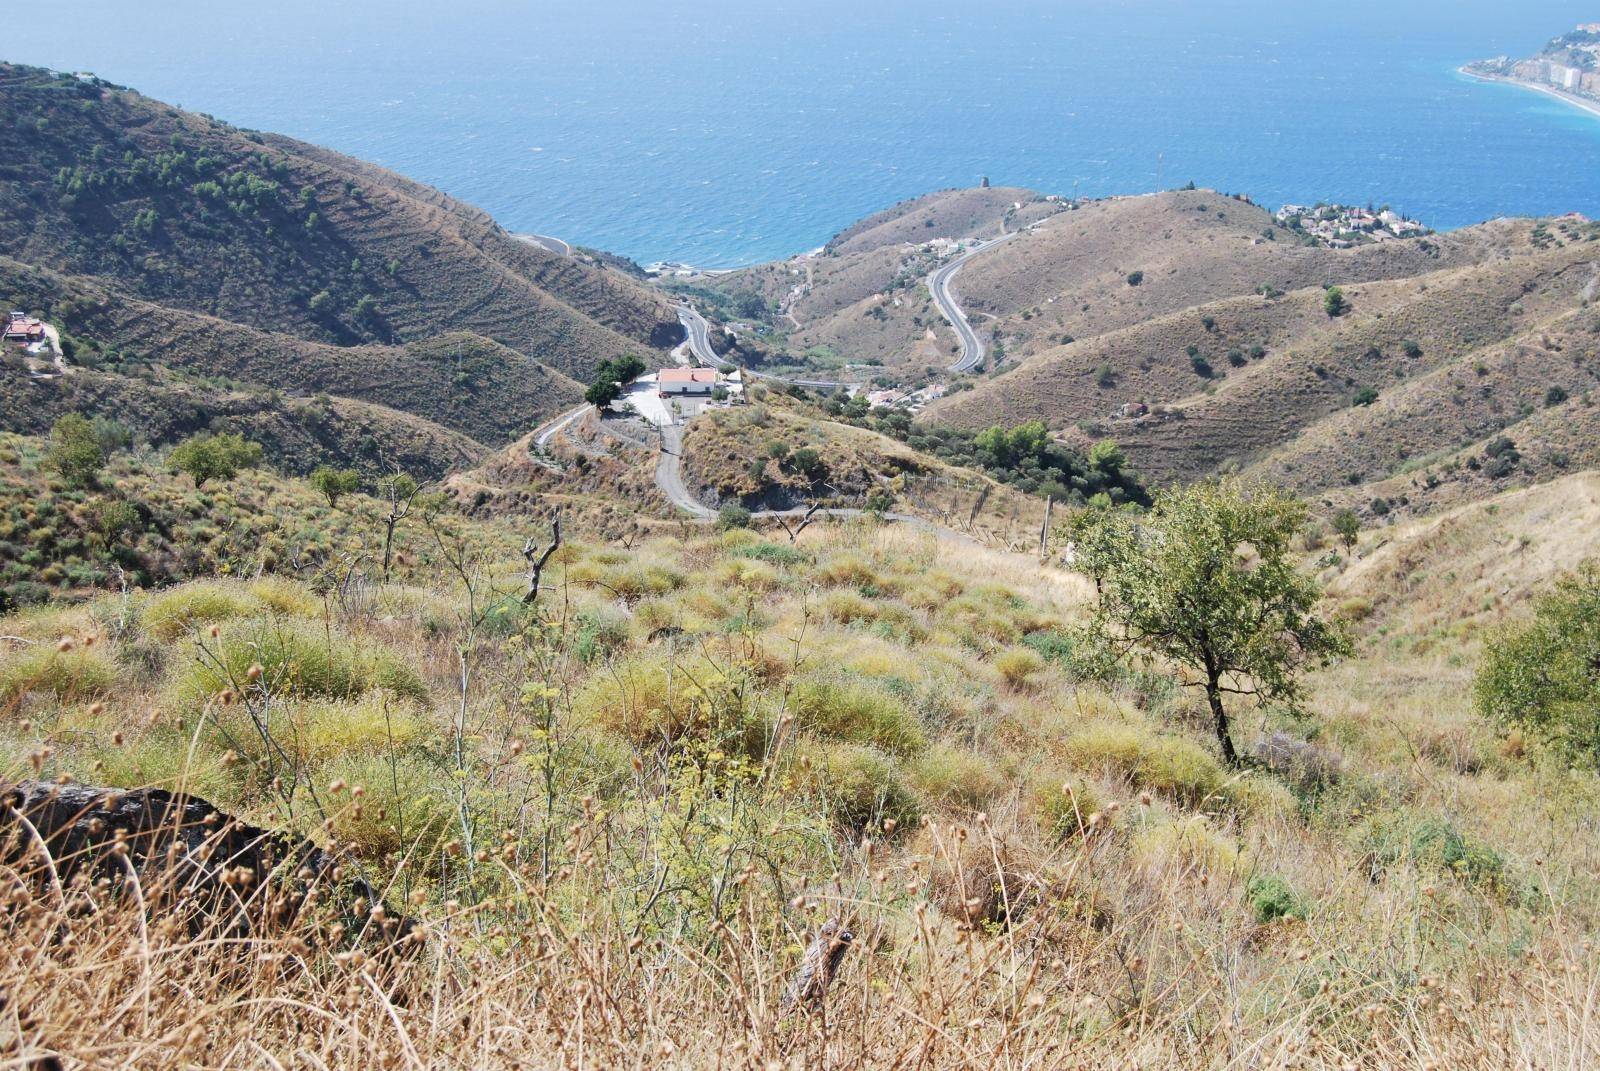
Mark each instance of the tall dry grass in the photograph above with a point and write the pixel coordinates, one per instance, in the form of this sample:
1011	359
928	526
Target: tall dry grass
969	952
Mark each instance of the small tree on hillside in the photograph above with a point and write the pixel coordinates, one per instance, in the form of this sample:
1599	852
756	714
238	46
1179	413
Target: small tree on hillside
209	457
1543	676
335	483
609	377
75	451
1208	580
1347	526
398	494
1334	302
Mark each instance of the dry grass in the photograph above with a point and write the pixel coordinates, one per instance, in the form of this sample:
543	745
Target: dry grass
555	975
625	827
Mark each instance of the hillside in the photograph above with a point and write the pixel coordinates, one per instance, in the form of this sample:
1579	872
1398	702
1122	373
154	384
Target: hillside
267	232
1442	344
1065	275
860	300
203	275
699	746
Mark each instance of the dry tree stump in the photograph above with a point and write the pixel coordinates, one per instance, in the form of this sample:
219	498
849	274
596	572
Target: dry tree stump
819	966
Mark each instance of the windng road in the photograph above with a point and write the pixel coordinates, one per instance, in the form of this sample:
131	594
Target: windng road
699	333
972	348
669	478
542	437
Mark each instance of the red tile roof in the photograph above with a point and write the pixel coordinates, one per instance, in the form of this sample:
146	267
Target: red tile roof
687	375
24	326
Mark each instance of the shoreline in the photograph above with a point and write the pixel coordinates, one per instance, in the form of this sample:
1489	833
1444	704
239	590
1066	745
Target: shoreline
1581	103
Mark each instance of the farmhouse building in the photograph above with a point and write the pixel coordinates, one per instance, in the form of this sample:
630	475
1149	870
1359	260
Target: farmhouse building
686	381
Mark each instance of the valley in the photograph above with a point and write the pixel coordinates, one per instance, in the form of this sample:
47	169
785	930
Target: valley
1026	632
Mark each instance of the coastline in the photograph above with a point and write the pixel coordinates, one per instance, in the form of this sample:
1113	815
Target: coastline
1581	103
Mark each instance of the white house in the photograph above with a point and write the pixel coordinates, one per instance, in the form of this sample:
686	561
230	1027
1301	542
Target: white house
686	381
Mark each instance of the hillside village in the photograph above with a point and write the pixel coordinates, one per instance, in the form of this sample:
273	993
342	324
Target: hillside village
1346	226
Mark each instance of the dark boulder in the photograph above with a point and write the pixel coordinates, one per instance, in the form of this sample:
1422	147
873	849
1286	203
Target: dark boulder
221	872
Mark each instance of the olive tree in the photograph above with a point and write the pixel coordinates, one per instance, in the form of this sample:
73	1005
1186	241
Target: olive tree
1347	526
335	483
1543	675
1208	580
207	457
75	451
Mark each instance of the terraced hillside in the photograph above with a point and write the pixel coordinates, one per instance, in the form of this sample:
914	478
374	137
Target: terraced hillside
206	275
1493	325
271	233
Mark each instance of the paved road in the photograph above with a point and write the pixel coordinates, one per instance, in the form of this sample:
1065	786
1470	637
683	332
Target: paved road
543	436
669	475
699	336
669	478
544	241
972	348
699	343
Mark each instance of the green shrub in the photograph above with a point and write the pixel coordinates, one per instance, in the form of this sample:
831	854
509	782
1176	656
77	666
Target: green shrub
1018	665
733	515
773	553
178	610
597	632
650	699
295	661
1167	764
404	808
1051	645
1334	302
957	776
1539	676
1062	804
75	674
856	712
1271	898
862	788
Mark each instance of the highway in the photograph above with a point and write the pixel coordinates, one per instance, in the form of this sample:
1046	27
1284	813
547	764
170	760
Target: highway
972	349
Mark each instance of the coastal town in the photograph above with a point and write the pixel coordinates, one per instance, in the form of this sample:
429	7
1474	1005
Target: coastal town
1568	65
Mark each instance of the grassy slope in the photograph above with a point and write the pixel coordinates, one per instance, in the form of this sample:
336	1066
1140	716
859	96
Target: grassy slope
51	542
725	705
602	480
721	449
1445	577
297	435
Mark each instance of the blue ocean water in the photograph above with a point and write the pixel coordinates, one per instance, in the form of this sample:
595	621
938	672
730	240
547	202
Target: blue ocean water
724	132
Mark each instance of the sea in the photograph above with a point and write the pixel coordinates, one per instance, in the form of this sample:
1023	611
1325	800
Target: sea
725	132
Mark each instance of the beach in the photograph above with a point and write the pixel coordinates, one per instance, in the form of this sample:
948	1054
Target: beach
1583	103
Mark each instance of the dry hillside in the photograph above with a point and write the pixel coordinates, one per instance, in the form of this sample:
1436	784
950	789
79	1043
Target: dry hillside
182	210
